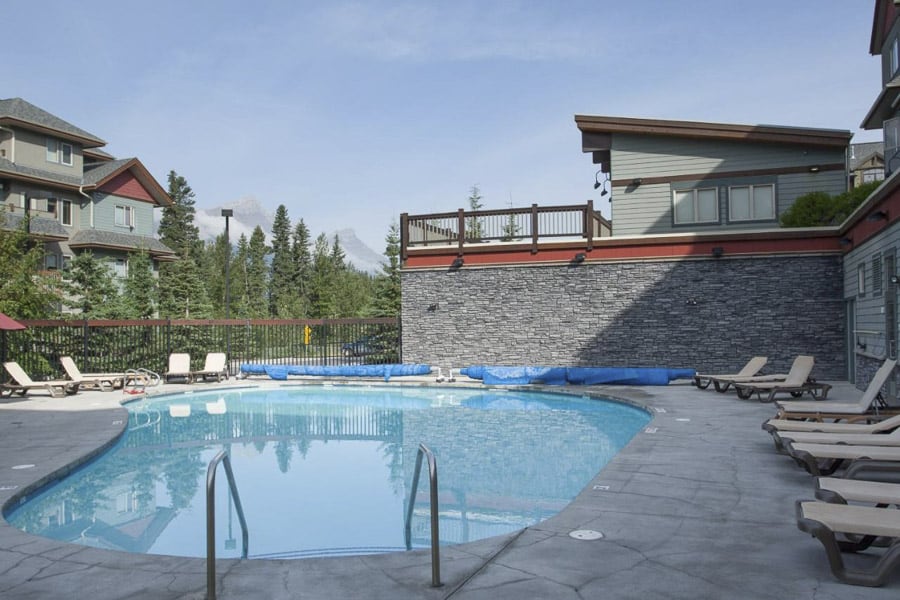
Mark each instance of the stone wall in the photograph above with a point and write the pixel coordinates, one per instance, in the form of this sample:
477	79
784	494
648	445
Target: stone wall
710	315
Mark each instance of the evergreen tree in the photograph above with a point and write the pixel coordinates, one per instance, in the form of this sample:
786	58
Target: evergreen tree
387	283
282	296
91	289
213	267
338	256
238	274
176	227
25	293
474	227
184	295
139	294
302	265
321	292
257	287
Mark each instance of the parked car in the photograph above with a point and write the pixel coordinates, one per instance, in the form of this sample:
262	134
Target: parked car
368	344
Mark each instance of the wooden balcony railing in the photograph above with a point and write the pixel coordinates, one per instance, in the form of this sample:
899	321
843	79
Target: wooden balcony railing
528	225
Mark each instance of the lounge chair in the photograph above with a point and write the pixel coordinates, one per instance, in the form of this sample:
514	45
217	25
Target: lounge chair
839	490
825	459
880	426
796	384
213	368
835	410
22	383
723	383
853	439
106	382
749	370
825	521
179	367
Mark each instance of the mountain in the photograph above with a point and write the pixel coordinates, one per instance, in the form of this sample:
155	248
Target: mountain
248	213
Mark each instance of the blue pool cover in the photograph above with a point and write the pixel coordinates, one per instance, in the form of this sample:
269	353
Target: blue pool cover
576	375
281	372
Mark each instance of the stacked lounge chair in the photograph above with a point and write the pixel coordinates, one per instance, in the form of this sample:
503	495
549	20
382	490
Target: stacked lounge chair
103	381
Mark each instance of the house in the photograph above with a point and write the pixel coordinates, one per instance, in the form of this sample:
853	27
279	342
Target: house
676	176
866	163
78	197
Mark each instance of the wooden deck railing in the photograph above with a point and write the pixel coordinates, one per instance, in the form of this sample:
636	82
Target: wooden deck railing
527	225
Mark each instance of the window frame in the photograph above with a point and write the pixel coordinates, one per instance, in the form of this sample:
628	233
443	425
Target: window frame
750	187
65	211
52	150
65	148
127	213
877	274
861	279
695	199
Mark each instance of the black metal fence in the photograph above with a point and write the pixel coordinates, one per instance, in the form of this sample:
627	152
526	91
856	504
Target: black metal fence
115	346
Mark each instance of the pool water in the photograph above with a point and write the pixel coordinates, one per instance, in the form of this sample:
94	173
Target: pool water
327	470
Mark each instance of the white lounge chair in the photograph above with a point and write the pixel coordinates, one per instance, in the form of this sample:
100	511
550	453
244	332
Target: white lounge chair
752	367
881	426
825	459
830	409
214	367
179	367
796	383
103	381
24	384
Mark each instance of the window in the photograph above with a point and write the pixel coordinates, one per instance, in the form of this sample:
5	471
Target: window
861	279
51	262
51	206
870	175
696	206
751	203
59	152
125	216
121	268
66	265
895	56
891	130
877	275
65	213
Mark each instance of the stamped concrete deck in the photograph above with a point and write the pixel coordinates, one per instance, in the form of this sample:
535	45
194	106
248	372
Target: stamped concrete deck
698	505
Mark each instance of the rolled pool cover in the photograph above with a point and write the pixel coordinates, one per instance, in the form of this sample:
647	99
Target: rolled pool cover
281	372
576	375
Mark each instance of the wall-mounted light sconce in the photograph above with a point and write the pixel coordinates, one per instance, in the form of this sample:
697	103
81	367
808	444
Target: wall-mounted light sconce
432	307
718	251
636	182
845	241
605	191
814	169
579	258
457	262
895	279
597	182
878	215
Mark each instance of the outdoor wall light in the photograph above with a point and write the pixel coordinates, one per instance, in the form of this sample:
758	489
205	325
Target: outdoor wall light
878	215
597	179
845	241
814	169
604	191
637	181
579	258
717	252
895	279
457	262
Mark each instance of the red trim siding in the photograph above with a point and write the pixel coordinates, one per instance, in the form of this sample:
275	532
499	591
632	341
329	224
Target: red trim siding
636	250
126	185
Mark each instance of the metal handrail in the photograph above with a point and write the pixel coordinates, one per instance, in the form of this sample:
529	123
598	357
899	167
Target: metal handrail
221	457
435	535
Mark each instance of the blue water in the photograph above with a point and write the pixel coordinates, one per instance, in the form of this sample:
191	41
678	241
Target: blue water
328	470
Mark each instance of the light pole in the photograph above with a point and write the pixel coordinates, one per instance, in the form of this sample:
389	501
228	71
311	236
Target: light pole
227	213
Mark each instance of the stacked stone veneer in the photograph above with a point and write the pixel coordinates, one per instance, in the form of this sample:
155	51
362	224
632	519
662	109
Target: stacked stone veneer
710	315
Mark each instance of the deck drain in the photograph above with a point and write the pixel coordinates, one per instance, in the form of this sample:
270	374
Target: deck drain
21	467
586	534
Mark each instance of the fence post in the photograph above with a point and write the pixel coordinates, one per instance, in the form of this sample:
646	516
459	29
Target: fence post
461	217
589	225
404	236
168	339
534	229
84	347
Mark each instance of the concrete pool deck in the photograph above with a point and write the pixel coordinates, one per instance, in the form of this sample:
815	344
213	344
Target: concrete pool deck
698	505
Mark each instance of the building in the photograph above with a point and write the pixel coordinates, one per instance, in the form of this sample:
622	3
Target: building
866	163
78	198
675	176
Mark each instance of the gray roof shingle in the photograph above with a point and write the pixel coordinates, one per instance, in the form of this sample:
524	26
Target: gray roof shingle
109	239
96	173
19	109
39	226
13	169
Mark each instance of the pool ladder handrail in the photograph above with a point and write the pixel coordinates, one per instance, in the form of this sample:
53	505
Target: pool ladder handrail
435	534
221	457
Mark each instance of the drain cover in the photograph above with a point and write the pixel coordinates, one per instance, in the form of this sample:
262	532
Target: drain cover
586	534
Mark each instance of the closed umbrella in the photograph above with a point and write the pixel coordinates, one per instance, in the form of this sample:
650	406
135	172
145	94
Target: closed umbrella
7	324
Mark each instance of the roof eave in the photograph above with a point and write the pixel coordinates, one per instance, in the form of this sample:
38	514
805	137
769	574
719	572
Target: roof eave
85	142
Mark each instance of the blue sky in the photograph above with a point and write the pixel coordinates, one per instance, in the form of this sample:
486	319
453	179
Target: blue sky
350	113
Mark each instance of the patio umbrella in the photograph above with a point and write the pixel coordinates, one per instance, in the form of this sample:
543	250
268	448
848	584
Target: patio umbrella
7	324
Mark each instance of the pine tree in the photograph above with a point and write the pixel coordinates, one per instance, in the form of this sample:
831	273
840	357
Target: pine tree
387	283
257	286
25	293
474	227
91	289
282	295
213	268
184	296
338	256
321	292
302	265
238	272
176	227
139	294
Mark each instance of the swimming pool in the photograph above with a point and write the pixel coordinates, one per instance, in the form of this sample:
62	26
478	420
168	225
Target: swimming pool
327	470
